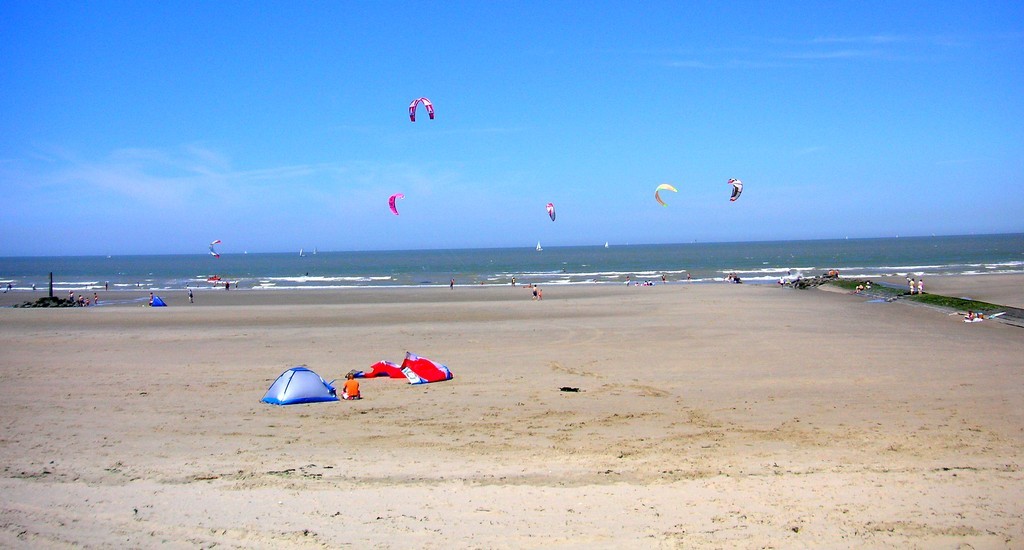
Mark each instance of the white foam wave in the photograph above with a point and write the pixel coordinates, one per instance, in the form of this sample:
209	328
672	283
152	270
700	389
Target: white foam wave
322	279
775	270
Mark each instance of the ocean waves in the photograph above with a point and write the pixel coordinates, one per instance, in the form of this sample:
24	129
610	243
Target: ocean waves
694	263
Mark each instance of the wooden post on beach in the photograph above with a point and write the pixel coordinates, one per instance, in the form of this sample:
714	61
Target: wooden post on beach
51	284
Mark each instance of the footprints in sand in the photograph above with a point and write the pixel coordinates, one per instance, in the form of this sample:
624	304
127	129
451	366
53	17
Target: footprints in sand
578	337
618	389
631	390
649	391
701	419
576	371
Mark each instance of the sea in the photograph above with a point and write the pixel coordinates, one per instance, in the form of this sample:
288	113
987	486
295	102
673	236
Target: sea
751	262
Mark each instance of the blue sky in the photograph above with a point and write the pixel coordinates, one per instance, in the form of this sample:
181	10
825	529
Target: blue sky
145	127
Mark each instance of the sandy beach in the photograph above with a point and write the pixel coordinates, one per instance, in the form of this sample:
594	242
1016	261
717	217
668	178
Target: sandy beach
716	415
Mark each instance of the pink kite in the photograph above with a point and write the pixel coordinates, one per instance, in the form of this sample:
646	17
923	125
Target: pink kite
551	211
382	368
391	202
416	369
424	369
426	103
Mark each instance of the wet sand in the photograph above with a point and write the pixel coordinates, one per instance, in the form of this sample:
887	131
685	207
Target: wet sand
708	415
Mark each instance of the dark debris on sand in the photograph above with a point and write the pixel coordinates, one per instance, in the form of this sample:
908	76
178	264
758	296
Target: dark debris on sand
50	301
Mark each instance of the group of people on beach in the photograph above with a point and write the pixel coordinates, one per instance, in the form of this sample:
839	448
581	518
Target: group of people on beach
82	300
538	294
647	282
916	287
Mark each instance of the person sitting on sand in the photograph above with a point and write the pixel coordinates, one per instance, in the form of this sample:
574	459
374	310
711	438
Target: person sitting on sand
351	388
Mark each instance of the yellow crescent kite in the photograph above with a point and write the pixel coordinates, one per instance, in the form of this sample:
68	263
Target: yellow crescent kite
666	187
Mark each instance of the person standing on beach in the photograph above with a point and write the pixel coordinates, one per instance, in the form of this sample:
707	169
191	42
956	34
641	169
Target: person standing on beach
910	282
451	284
920	285
513	280
190	300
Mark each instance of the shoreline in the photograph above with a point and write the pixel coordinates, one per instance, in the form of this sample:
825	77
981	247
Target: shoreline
1001	289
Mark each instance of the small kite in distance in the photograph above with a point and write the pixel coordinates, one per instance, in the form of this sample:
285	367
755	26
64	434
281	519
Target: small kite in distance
551	210
391	202
426	103
663	187
737	188
212	251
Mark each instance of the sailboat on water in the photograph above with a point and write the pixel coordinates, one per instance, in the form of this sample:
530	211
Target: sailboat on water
538	247
606	244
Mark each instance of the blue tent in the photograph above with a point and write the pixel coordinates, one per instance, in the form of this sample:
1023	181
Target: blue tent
299	385
158	302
